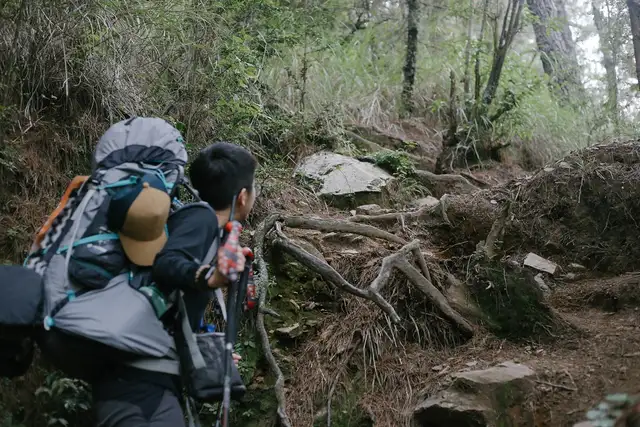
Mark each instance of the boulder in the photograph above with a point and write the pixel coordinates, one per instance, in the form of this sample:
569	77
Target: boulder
340	177
483	398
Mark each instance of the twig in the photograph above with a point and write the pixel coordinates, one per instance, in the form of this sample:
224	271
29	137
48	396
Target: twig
270	312
560	386
262	282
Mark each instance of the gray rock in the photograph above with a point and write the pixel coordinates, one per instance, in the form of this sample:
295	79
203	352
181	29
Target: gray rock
537	262
507	374
371	209
481	398
340	175
452	408
291	332
576	267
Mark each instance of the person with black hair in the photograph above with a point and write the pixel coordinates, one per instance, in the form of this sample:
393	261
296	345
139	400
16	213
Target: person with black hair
221	173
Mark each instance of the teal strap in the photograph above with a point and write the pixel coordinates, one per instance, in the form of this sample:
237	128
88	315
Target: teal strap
90	239
122	183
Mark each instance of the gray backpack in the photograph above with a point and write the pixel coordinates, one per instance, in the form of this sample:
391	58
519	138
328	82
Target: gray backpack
93	311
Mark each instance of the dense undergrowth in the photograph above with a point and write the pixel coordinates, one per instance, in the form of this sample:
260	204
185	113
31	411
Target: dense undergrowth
281	77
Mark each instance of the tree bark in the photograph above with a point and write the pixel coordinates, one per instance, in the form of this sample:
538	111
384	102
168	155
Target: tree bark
557	48
634	14
409	69
609	55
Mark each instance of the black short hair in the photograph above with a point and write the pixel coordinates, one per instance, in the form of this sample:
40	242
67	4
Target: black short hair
220	171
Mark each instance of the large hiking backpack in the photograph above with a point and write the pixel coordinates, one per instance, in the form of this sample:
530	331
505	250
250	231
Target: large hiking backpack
92	307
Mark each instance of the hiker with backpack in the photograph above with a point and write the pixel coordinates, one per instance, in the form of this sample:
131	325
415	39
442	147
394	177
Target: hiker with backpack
118	278
220	173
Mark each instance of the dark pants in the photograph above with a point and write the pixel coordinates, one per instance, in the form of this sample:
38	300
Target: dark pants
127	403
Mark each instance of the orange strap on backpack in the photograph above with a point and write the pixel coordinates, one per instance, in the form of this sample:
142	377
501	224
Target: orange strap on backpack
75	183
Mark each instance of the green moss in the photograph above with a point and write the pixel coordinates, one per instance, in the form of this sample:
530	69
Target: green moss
510	301
290	291
345	410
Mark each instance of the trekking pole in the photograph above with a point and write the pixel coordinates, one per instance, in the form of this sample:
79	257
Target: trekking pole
236	304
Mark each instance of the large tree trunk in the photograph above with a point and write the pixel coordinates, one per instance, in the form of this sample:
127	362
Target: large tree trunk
634	14
609	54
409	70
557	48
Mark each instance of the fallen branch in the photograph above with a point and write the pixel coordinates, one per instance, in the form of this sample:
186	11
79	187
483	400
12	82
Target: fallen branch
560	386
262	283
342	226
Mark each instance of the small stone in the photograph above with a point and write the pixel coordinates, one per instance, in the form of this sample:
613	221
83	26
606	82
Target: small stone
292	331
549	169
576	266
493	202
471	364
368	209
564	165
541	284
541	264
428	202
437	368
353	213
570	276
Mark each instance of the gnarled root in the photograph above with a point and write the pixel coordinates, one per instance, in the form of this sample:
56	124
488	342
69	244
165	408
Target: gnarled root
262	282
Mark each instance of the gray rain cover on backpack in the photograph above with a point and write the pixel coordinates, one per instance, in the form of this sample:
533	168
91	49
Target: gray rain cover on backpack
87	290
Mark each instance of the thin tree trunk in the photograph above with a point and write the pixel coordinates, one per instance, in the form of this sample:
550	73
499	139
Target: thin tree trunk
510	27
409	69
557	48
477	76
634	14
609	55
467	53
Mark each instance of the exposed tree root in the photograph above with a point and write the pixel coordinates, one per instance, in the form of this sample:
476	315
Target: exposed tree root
476	181
418	275
342	226
262	283
497	229
439	210
445	183
329	274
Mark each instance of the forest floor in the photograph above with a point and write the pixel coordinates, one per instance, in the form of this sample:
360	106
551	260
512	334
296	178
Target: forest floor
578	210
